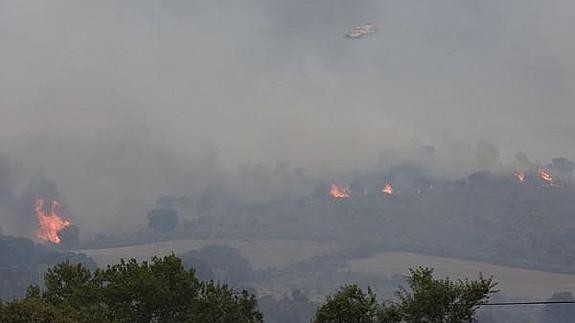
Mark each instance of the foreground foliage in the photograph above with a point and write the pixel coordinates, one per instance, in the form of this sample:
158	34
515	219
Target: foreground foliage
350	304
427	300
156	291
22	262
163	291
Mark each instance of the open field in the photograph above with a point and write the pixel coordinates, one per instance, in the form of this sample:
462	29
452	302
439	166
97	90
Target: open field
523	283
262	253
278	253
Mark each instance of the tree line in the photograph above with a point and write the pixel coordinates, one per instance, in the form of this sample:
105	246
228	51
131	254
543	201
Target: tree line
162	290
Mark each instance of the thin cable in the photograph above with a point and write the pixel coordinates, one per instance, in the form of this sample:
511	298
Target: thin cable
529	303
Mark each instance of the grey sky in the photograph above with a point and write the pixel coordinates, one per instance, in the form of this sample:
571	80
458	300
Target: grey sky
129	95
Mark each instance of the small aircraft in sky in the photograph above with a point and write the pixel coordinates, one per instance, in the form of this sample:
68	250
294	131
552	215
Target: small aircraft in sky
360	31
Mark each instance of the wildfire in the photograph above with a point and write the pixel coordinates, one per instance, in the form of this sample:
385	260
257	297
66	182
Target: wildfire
520	176
545	176
338	192
50	222
387	189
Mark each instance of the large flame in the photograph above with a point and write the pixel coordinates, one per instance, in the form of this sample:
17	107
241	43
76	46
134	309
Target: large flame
545	176
50	222
387	189
338	192
520	176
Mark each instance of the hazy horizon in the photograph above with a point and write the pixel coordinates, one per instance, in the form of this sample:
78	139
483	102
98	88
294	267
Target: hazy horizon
120	102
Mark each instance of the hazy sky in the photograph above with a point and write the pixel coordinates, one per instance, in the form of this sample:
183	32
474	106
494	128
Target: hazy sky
126	96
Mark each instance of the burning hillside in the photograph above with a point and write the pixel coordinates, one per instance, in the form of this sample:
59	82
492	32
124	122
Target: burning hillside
338	192
49	221
483	216
545	176
520	176
387	189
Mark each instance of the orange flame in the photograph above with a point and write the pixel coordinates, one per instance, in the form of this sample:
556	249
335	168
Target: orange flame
387	189
545	176
338	192
50	223
520	176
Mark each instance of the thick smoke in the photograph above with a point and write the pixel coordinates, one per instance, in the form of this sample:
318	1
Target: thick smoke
120	102
19	190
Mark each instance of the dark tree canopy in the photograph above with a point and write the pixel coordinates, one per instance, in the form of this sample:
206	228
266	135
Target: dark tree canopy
163	219
293	309
351	304
173	201
438	300
23	262
157	291
562	164
224	263
32	309
427	300
70	235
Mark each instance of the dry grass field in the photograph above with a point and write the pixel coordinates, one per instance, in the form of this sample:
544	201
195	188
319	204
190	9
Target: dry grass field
521	283
262	253
267	253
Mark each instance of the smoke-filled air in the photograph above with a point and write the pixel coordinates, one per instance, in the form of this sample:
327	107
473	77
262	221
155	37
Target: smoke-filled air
292	147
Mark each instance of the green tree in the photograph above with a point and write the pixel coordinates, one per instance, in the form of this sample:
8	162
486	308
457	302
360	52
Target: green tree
76	291
71	284
160	290
157	291
221	304
350	305
427	300
438	300
32	309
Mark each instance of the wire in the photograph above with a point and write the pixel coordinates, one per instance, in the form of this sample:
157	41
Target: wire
529	303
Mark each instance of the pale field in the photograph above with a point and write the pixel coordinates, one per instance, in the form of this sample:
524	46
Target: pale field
266	253
521	283
261	253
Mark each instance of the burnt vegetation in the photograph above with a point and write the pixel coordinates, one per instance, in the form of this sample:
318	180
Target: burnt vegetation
485	216
495	217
